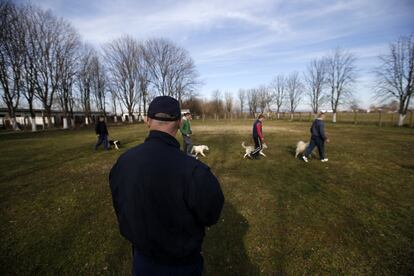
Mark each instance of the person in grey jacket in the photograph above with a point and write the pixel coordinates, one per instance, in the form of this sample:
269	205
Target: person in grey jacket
318	138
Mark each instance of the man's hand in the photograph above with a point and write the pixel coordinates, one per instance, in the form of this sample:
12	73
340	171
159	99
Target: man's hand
327	140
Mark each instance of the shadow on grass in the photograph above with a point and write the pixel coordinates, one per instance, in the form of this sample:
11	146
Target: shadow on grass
224	250
291	150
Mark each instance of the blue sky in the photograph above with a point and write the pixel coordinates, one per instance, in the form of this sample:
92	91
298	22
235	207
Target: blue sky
243	44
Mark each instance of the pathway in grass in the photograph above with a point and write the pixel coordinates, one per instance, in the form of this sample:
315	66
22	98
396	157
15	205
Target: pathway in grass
352	215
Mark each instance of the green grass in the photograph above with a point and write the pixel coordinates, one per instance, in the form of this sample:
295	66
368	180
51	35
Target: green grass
352	215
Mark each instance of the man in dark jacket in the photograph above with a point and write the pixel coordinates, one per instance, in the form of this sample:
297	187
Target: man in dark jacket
102	133
258	136
164	198
318	138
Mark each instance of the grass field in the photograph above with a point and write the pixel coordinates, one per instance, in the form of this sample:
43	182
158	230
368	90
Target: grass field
353	215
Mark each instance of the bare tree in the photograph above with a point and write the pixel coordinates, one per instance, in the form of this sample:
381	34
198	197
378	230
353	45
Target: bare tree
264	98
294	89
354	105
172	70
217	103
122	57
67	68
253	101
144	77
30	70
278	91
396	75
84	80
242	98
48	38
114	100
340	77
99	83
228	97
12	50
315	78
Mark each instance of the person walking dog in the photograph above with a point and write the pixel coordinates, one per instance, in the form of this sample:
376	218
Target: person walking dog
102	133
186	133
318	138
163	198
258	136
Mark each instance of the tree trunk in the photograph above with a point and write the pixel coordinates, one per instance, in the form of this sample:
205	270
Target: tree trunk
49	118
33	123
86	120
65	123
13	123
115	119
72	122
291	116
401	119
334	117
43	121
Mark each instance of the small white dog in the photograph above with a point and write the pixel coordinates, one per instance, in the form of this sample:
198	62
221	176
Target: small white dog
199	150
300	148
249	150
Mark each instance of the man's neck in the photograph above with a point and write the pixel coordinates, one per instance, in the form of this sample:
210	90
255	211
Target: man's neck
166	130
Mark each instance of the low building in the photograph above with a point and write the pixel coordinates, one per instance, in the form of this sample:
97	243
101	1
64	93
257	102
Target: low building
23	117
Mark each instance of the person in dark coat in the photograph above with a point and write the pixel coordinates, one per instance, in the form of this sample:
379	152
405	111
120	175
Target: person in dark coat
102	133
258	136
163	198
318	138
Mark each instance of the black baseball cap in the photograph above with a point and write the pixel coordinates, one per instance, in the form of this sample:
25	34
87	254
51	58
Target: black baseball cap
164	108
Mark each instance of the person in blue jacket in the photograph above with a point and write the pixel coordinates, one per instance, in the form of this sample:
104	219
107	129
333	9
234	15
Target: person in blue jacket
163	198
318	138
102	132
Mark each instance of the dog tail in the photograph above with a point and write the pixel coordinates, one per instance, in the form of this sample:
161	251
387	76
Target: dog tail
243	145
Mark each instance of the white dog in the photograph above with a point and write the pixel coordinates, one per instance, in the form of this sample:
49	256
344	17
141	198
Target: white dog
199	150
300	148
249	150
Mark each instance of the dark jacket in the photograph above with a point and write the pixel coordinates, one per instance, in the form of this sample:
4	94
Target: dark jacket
164	199
318	129
101	129
257	129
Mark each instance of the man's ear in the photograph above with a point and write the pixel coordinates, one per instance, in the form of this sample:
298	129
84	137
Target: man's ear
149	122
180	123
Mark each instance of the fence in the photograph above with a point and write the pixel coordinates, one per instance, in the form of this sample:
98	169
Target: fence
371	118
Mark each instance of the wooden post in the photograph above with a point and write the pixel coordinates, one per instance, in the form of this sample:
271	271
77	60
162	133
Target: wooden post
392	119
380	118
355	117
411	118
300	116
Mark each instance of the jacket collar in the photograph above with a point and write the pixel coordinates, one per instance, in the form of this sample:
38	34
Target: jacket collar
163	137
